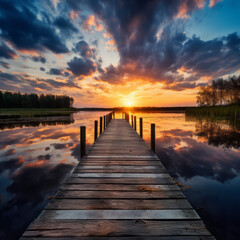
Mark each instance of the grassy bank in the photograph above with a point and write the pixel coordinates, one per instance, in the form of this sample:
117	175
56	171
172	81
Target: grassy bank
230	111
35	111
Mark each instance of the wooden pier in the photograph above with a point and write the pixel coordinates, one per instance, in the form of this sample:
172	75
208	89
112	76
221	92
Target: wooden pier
120	190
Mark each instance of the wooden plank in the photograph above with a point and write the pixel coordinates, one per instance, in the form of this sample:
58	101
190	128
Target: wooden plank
123	156
125	238
119	187
118	194
120	163
173	214
118	204
163	180
119	175
101	228
157	170
115	167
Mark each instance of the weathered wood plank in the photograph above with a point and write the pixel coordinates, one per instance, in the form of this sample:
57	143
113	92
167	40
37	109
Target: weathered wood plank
119	175
118	204
163	180
118	194
124	238
172	214
157	170
101	228
119	187
116	167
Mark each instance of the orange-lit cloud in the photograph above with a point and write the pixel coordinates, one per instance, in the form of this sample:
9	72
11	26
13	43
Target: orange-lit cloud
93	22
74	14
212	3
185	8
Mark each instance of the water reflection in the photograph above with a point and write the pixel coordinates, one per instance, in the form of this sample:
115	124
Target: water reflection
217	132
33	163
11	122
201	153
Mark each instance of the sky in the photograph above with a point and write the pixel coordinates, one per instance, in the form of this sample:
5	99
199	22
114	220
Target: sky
111	53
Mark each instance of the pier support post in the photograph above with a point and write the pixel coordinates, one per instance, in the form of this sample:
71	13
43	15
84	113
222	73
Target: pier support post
83	140
100	125
135	123
153	137
95	130
141	127
104	122
132	120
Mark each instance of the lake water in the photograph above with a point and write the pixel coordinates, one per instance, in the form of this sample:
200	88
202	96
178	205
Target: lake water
202	154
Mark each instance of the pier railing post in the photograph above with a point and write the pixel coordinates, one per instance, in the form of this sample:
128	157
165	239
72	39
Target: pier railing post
153	137
83	140
135	123
132	120
100	125
141	127
95	130
104	124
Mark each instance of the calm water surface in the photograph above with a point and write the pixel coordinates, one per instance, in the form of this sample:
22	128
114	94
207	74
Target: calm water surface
201	153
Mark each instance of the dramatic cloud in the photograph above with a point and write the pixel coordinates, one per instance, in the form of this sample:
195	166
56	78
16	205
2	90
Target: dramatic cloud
84	50
107	46
150	38
54	71
21	26
65	26
4	64
81	66
6	52
39	59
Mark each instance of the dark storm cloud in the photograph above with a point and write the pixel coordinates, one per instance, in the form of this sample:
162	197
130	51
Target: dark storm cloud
39	59
20	25
29	84
65	26
42	69
4	64
84	50
81	66
150	39
8	77
54	71
6	52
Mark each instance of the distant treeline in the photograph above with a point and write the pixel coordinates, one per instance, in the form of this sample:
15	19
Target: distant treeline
220	92
32	100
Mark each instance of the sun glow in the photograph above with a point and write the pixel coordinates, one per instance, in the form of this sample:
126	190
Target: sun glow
128	102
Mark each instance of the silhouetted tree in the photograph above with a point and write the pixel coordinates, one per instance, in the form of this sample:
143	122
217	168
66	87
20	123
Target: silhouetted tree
32	100
220	92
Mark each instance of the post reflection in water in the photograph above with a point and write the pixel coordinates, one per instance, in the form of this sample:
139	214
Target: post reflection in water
200	153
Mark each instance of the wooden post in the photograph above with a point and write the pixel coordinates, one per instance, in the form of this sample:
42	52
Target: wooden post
95	130
83	140
113	115
135	123
141	127
100	125
104	124
153	137
132	120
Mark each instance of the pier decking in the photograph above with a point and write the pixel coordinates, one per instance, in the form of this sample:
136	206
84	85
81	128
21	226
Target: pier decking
119	191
